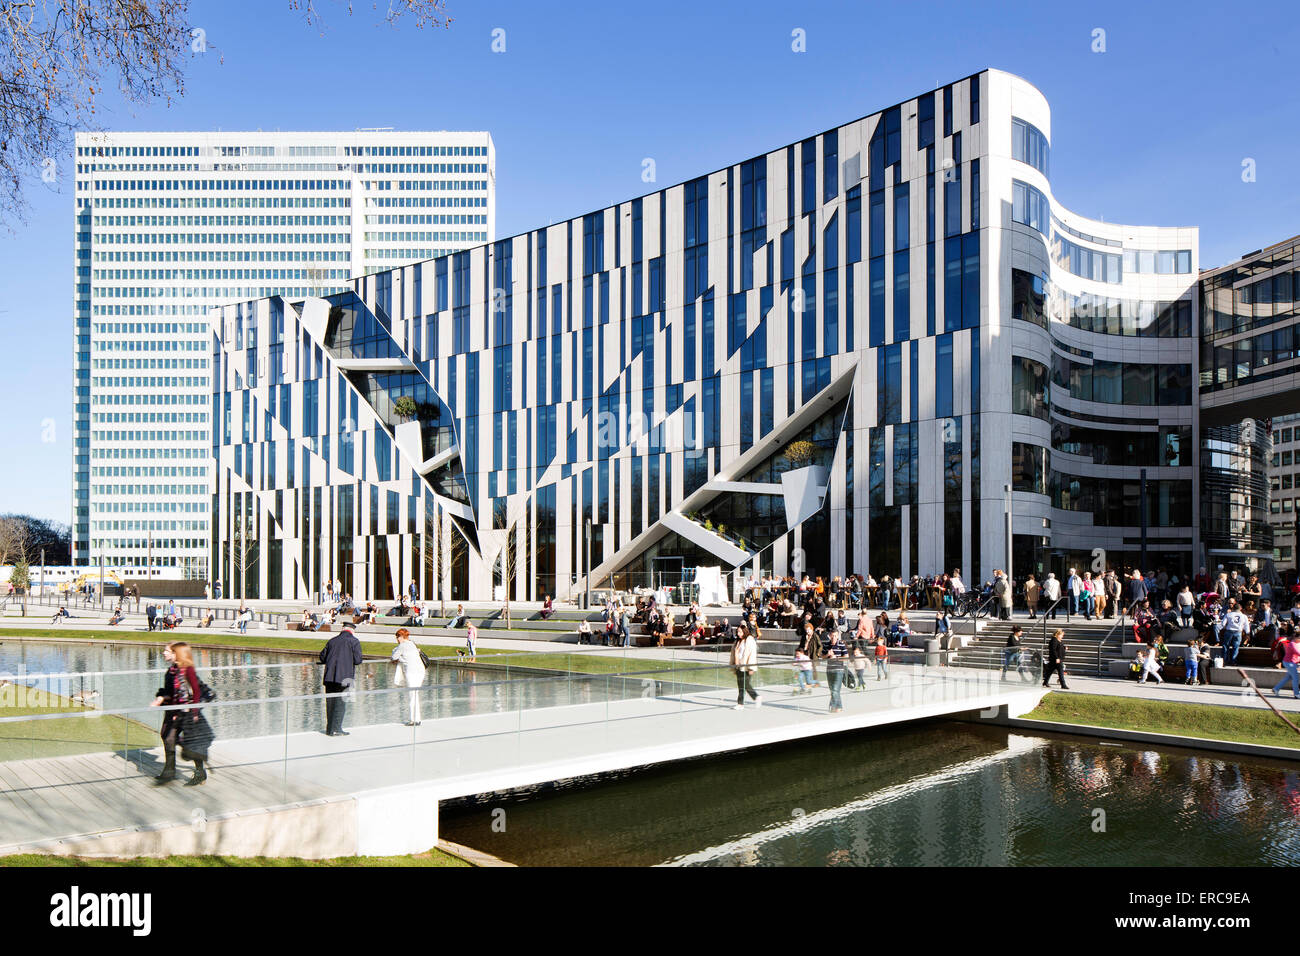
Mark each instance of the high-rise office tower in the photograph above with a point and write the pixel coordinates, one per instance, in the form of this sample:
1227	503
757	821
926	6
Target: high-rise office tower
171	224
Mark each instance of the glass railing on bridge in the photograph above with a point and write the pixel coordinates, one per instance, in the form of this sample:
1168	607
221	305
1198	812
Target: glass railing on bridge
79	753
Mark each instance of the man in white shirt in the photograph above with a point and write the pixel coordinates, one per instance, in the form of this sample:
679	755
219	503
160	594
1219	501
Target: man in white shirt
1233	629
1052	592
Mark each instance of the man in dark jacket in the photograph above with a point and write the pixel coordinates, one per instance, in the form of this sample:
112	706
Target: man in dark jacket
340	656
1137	591
1055	660
151	612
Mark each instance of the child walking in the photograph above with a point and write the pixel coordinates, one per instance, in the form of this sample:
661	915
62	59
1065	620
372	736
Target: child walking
802	672
860	666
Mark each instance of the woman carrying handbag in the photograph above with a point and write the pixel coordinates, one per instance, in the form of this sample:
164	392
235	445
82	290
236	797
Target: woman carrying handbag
409	673
189	728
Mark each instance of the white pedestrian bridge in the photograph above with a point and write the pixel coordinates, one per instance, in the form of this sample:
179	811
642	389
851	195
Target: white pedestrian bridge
82	782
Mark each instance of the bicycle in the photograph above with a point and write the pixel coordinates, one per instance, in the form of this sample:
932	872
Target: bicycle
970	604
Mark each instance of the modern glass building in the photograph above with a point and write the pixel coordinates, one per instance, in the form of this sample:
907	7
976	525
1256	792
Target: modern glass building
1249	385
170	225
845	354
1284	486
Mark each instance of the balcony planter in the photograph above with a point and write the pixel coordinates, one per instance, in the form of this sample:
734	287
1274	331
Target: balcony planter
405	408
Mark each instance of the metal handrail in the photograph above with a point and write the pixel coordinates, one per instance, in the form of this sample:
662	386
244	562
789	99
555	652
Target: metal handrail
1123	613
277	619
975	615
1042	633
658	674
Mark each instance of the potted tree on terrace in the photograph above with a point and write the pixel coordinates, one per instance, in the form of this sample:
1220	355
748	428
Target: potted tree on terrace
404	408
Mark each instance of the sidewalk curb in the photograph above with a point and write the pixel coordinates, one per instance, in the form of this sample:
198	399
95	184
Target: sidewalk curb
1146	737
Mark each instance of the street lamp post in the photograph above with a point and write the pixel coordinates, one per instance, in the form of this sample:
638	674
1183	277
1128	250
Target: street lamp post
1008	491
587	564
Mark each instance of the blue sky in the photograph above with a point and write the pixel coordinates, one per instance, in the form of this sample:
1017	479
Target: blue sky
1152	131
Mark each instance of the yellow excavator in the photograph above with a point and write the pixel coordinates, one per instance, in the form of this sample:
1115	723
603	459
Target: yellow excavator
90	577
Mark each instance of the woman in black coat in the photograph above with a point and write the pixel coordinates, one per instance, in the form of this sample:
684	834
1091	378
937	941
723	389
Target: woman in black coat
181	685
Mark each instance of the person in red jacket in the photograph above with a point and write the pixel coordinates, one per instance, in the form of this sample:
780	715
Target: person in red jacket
181	685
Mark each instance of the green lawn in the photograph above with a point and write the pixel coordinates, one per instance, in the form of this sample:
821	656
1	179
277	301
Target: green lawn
302	645
1240	724
28	739
434	857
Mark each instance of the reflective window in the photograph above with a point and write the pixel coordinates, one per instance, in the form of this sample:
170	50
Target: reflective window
1029	467
1028	297
1029	207
1029	394
1029	145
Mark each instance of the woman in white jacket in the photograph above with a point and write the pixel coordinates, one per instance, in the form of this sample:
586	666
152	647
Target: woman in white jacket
409	674
744	655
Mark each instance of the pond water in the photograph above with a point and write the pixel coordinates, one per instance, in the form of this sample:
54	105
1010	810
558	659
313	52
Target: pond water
935	793
127	677
939	793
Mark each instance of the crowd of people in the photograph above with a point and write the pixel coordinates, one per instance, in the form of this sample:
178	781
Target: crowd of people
1089	594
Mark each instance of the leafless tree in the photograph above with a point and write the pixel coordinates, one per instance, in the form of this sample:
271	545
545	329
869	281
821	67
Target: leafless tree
509	562
244	552
444	559
13	540
58	56
432	552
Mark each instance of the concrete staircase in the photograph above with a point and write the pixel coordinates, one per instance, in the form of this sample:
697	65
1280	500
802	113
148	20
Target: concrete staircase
1082	643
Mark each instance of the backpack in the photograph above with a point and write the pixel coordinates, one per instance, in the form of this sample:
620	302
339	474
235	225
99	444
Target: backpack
206	694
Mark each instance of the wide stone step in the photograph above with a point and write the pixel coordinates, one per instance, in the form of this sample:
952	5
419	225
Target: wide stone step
495	634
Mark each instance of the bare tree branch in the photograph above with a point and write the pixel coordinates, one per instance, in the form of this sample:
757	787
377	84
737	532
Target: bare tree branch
58	56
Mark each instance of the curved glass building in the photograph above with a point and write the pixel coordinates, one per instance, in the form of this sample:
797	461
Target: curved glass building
847	354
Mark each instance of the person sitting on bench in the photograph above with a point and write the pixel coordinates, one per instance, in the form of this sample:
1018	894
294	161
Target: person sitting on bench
459	618
310	622
209	617
59	615
548	607
665	629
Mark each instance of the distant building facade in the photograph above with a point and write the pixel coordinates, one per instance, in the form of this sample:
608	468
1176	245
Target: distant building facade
170	225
